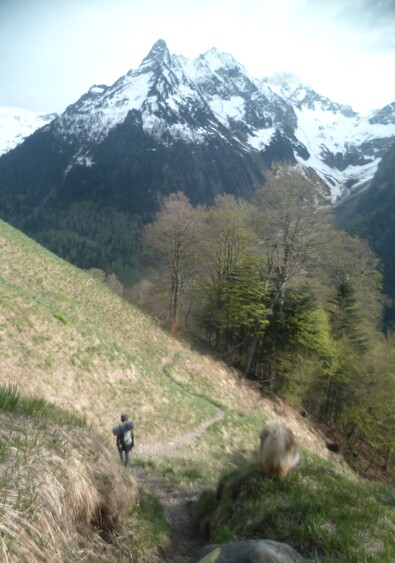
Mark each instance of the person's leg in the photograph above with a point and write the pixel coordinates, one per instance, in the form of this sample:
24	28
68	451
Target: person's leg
127	454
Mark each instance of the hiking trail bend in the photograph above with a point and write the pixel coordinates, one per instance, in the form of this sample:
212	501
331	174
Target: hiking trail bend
177	500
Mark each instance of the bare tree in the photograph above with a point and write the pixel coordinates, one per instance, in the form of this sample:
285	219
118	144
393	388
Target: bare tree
172	239
292	228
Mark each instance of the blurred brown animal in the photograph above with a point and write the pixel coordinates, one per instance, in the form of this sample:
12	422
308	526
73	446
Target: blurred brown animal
278	453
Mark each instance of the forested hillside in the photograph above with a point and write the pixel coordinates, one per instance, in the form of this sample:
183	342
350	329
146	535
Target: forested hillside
283	296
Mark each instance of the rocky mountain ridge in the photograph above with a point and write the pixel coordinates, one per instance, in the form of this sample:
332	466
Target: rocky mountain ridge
196	101
203	126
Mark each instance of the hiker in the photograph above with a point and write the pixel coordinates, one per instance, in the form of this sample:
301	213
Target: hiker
125	438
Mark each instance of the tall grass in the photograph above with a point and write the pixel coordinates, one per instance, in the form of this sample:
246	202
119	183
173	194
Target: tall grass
64	496
13	402
9	398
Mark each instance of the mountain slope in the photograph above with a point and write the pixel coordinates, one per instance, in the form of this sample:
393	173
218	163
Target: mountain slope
67	338
371	215
84	184
345	147
16	124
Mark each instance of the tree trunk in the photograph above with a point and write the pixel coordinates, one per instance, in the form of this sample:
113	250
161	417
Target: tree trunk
251	355
174	303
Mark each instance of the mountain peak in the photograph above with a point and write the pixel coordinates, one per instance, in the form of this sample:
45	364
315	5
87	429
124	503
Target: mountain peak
289	84
159	46
217	59
284	78
159	53
175	101
301	94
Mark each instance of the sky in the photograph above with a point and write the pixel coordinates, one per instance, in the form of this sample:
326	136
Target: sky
53	51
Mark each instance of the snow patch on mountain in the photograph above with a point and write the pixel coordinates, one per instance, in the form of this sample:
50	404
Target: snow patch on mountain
226	110
97	112
261	138
337	132
16	124
323	131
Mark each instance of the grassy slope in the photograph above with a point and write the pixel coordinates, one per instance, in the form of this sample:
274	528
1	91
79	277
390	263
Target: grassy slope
66	337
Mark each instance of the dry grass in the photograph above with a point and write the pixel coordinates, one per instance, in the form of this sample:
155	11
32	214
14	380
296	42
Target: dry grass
63	334
62	493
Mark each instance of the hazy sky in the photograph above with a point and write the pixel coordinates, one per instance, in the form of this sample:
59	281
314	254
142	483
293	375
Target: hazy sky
52	51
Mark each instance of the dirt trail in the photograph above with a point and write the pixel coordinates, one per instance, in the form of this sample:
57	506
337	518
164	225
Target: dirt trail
177	501
178	504
161	449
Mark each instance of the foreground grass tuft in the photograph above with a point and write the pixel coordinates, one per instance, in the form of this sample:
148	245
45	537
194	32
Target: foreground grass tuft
11	401
322	512
64	495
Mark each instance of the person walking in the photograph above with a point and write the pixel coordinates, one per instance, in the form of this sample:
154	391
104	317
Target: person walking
125	438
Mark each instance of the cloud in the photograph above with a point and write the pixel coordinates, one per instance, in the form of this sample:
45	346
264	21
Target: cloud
56	49
369	14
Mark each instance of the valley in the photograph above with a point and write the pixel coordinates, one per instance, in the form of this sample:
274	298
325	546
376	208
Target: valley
168	250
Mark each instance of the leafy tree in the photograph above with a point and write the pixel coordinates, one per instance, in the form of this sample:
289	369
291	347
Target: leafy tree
291	229
298	354
229	281
351	274
370	416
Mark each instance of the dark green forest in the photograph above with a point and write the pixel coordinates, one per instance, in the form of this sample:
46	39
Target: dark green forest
276	291
90	237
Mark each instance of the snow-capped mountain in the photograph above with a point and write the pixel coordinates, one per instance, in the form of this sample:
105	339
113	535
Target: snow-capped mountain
16	124
345	147
214	97
205	126
177	99
195	101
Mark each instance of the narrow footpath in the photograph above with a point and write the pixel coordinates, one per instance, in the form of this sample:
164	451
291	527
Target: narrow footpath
177	501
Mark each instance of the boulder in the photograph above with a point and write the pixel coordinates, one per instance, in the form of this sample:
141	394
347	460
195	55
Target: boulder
249	551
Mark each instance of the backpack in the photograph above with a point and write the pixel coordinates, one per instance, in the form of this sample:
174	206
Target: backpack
120	430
